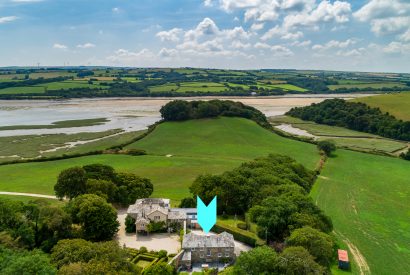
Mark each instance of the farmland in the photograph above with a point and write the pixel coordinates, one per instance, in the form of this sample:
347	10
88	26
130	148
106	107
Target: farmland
367	197
191	156
103	82
397	104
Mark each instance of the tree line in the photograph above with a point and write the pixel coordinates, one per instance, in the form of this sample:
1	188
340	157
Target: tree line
273	193
354	116
179	110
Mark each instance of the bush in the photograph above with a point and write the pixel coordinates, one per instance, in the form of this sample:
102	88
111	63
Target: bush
130	224
327	146
242	225
162	253
238	236
143	249
153	227
136	152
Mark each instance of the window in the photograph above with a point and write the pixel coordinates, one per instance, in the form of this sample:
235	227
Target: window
202	248
209	252
227	255
202	255
193	249
219	255
157	218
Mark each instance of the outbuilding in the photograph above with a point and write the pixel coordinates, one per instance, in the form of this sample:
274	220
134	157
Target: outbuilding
343	259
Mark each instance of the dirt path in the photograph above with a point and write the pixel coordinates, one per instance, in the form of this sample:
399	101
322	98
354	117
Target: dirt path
29	195
361	262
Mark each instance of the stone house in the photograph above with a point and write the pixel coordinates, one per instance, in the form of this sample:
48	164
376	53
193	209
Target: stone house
148	210
207	249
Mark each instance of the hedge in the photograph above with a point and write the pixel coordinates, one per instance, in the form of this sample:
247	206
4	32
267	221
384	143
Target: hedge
239	235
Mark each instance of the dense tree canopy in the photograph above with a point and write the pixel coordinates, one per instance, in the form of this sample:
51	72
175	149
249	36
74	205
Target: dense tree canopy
98	219
71	183
249	184
14	262
77	255
259	261
355	116
104	181
320	245
178	110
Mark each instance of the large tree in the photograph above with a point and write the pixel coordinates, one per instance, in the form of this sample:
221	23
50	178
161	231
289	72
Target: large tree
297	260
258	261
132	187
320	245
71	183
98	219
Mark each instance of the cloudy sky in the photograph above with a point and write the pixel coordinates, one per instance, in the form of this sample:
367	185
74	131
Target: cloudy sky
362	35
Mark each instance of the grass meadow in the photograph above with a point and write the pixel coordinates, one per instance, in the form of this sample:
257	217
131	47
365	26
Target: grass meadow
371	85
368	197
397	104
197	147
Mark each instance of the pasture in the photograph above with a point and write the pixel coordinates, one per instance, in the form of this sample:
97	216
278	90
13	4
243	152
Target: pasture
397	104
343	137
197	147
367	198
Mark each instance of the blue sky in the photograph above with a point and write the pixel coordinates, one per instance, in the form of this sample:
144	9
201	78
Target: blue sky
362	35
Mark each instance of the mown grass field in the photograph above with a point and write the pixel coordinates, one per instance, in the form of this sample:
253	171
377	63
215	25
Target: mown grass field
41	88
198	147
368	197
190	87
397	104
343	137
285	87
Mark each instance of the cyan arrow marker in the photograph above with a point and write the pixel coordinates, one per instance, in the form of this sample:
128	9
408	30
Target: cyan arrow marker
206	214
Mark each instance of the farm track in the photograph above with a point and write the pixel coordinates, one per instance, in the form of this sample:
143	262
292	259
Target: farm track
361	262
29	195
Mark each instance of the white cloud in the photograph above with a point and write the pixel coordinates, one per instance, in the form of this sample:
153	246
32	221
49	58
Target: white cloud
208	3
257	26
354	52
386	17
378	9
391	25
236	33
405	36
116	10
325	12
281	32
86	46
277	50
302	43
167	53
172	35
240	45
123	56
60	46
397	48
332	44
7	19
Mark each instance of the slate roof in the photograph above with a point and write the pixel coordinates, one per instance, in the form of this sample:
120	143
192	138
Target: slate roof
192	240
176	215
186	256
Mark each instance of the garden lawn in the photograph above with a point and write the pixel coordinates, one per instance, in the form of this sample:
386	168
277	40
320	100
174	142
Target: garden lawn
367	197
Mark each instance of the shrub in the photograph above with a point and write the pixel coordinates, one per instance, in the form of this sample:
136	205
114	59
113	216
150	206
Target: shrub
156	227
130	224
143	249
242	225
245	237
162	253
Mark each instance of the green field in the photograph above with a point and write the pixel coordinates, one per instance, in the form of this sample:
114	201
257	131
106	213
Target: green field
371	85
397	104
198	147
367	197
190	87
343	137
285	87
59	124
23	90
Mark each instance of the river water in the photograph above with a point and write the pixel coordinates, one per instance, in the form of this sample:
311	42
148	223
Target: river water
129	114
